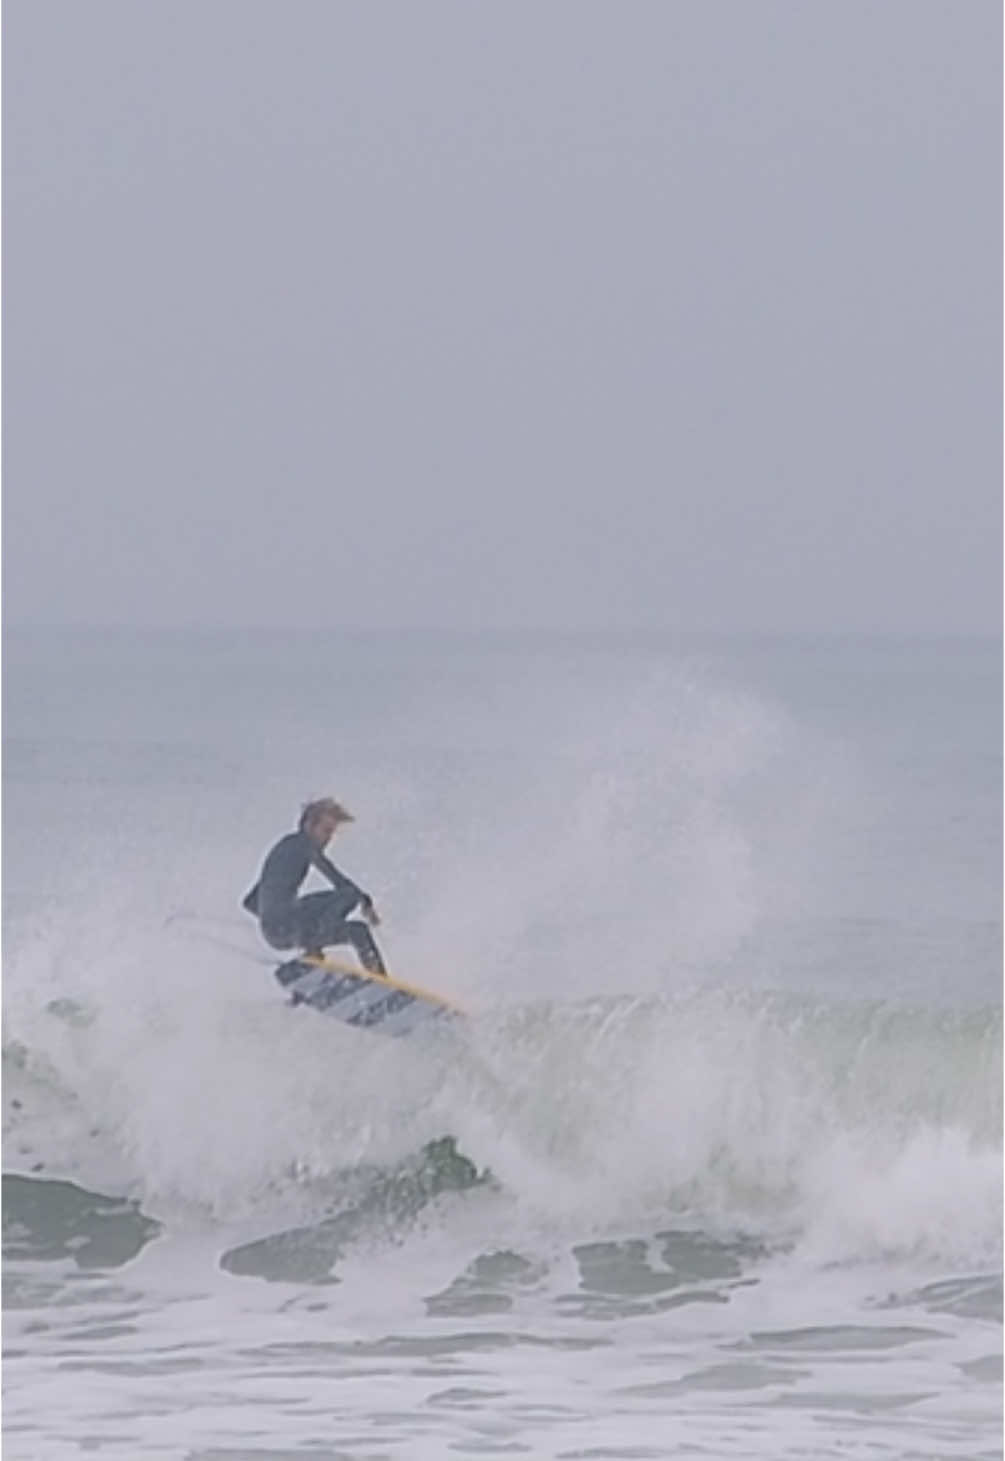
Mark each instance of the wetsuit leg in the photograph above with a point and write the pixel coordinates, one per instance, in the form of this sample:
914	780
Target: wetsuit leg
358	934
317	914
321	922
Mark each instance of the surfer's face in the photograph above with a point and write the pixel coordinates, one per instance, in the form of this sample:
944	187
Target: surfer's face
322	828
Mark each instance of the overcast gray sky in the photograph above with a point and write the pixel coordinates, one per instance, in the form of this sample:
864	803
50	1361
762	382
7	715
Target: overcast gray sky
669	313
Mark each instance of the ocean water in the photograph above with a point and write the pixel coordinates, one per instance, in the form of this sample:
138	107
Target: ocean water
714	1166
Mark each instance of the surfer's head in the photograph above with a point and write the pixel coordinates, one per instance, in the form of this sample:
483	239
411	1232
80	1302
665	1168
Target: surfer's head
321	819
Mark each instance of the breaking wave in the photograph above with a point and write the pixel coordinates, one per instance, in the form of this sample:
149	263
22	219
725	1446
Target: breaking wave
851	1130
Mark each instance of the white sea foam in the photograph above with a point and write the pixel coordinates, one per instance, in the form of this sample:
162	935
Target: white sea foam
836	1125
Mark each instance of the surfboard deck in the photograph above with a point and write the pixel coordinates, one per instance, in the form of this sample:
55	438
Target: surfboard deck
366	1001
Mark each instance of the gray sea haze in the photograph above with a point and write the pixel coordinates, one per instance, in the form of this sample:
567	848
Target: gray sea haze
712	1169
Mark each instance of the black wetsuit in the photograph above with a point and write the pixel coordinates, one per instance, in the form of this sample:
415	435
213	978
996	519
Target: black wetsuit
317	920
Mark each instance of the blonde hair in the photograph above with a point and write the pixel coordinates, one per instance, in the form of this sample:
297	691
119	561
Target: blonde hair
324	806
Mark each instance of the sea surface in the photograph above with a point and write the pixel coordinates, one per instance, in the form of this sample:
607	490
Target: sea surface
713	1167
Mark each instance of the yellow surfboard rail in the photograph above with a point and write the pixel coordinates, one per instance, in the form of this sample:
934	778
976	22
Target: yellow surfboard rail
337	966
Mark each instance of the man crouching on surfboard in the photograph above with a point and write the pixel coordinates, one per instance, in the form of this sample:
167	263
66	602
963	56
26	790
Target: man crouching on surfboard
313	922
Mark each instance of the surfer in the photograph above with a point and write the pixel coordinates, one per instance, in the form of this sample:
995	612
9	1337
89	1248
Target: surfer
317	920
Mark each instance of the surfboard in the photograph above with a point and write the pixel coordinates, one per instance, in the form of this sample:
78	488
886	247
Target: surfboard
366	1001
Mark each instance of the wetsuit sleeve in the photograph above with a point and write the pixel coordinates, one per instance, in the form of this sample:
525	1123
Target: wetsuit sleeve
339	880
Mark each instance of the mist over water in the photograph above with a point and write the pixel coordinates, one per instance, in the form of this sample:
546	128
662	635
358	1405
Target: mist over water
724	916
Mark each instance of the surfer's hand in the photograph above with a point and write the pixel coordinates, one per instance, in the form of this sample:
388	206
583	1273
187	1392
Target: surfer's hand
370	913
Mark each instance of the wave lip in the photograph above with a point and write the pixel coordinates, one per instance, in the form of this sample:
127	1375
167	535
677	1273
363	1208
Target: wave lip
858	1129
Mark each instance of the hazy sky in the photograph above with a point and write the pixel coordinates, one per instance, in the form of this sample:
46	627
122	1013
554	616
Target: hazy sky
671	313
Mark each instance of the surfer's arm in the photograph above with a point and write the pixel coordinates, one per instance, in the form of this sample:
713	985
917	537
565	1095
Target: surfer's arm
339	880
